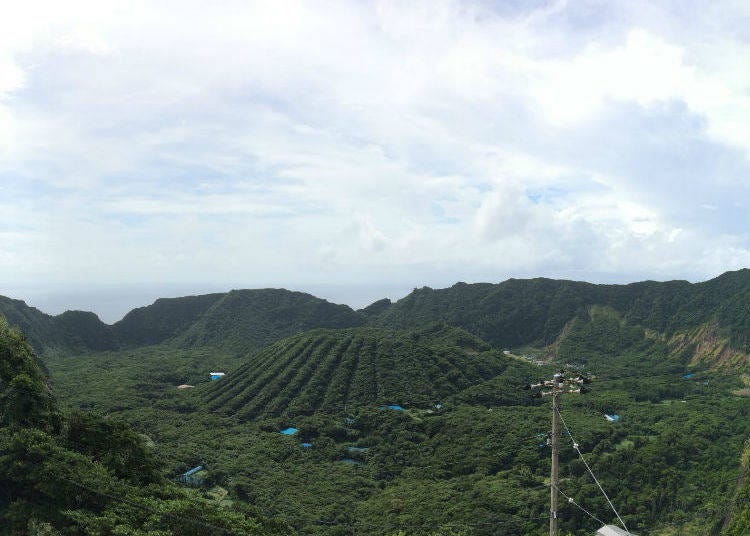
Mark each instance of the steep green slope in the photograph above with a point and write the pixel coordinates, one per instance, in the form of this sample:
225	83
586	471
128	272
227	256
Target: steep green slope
514	312
518	312
84	331
38	326
72	331
245	320
376	308
602	341
328	371
237	321
162	320
25	399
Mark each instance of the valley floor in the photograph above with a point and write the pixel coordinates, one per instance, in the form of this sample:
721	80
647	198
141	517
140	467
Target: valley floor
476	466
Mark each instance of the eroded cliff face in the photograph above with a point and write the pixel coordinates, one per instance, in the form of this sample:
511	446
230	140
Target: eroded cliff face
551	352
708	346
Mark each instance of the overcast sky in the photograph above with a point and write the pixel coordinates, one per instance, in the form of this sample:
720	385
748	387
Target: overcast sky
359	149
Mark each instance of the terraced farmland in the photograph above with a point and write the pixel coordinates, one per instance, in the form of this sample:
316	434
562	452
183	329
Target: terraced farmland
330	370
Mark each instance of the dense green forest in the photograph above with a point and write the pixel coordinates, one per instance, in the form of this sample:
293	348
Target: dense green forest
67	472
402	418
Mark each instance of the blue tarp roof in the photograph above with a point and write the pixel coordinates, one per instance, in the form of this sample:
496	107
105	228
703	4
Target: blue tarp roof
190	478
688	376
394	407
306	445
193	470
289	431
612	418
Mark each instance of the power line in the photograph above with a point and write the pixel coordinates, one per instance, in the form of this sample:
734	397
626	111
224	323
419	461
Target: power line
578	450
581	508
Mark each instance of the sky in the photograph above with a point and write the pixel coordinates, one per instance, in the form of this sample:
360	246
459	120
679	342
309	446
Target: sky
360	149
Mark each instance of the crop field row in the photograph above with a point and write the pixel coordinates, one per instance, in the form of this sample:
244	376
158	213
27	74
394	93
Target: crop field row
326	370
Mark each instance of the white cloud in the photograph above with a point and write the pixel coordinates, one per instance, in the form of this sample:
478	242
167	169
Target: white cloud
427	141
648	70
643	70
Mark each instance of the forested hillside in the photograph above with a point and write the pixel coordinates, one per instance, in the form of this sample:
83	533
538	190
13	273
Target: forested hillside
236	321
523	311
244	320
75	473
162	320
73	331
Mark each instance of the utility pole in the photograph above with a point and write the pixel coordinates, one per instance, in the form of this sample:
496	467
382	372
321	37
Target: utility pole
558	385
554	478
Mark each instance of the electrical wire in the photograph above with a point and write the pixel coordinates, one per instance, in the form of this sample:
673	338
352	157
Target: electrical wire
578	450
581	508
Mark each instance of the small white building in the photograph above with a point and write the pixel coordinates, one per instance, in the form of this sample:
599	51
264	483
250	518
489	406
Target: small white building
611	530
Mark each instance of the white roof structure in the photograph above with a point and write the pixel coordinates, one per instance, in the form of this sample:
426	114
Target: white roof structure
611	530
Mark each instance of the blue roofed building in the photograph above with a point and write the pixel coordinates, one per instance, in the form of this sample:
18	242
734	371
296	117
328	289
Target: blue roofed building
194	476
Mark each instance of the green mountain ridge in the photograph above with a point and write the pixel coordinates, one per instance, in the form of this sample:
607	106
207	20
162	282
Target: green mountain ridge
71	331
239	320
518	312
246	320
164	319
508	314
